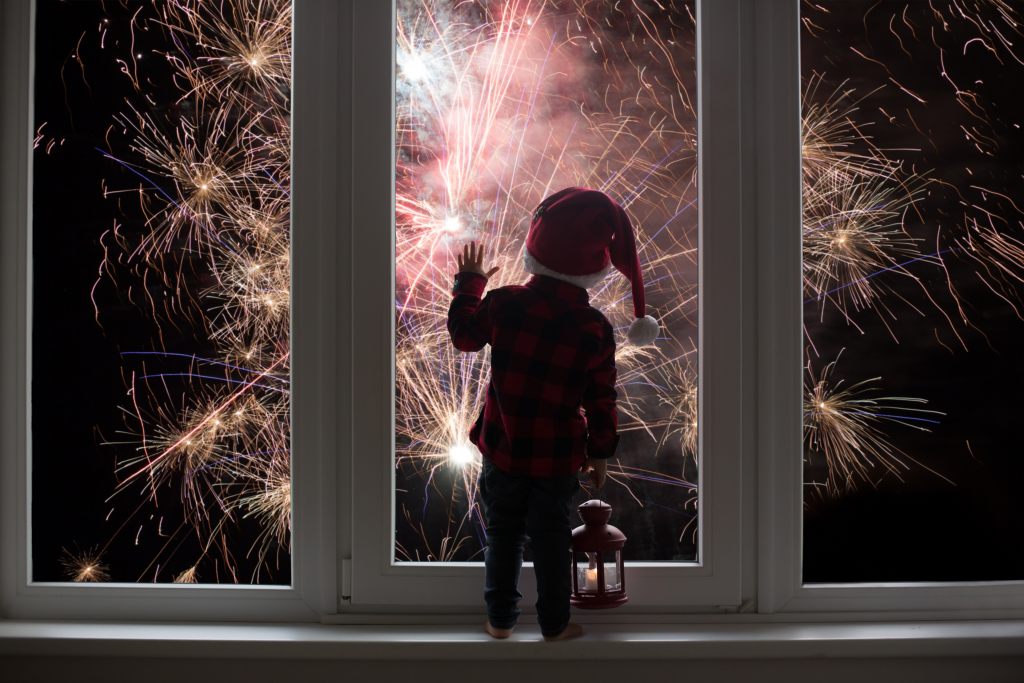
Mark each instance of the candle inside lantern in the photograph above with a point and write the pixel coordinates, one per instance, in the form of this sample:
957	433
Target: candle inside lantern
591	579
588	577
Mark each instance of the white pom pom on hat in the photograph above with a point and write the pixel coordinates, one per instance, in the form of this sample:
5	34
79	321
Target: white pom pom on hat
643	331
577	234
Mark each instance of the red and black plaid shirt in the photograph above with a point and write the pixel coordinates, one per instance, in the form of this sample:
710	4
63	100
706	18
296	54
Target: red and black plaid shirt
552	355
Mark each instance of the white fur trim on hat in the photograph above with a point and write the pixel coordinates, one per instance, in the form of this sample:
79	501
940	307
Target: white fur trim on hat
643	331
532	265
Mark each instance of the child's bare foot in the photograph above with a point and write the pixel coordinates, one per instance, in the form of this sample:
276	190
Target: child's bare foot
569	632
499	633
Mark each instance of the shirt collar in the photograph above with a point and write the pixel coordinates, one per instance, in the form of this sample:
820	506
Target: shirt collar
559	289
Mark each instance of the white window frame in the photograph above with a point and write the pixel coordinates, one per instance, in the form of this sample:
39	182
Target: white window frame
342	319
315	309
714	582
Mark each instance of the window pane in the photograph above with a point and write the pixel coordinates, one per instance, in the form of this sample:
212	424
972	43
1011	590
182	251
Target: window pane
160	375
913	248
499	105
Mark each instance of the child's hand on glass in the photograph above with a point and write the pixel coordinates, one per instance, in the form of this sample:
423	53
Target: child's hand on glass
471	260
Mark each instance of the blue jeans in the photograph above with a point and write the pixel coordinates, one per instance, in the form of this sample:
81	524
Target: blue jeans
516	506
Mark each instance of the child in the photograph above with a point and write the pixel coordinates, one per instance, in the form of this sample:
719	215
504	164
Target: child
551	355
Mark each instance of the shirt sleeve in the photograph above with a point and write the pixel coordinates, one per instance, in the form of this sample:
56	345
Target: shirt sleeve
599	403
469	320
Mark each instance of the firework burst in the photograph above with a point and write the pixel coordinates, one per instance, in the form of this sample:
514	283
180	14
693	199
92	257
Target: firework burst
845	424
85	567
853	230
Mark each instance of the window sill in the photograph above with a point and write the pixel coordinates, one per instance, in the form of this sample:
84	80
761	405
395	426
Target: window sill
602	641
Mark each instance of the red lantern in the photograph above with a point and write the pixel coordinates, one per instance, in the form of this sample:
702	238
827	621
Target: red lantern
598	575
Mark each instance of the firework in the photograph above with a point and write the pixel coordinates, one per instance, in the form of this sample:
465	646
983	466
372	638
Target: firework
187	576
84	567
831	140
246	48
852	231
845	424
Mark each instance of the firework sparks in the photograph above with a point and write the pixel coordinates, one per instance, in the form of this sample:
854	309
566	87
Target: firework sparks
853	230
187	576
845	424
85	567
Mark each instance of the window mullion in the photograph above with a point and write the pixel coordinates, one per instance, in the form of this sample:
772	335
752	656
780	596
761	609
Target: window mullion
723	375
776	150
15	169
319	301
371	264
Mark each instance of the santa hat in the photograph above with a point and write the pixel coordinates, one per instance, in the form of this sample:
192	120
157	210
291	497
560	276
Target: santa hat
578	235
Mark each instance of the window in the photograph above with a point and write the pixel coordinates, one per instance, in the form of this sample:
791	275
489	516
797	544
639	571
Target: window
192	225
750	550
432	507
499	106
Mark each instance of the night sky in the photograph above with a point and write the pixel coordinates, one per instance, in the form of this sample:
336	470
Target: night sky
79	379
76	372
924	528
921	528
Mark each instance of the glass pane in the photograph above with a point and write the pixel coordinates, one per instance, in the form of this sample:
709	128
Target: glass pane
160	375
913	247
499	105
